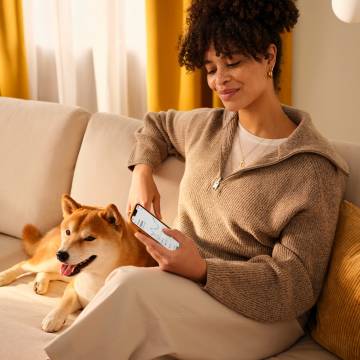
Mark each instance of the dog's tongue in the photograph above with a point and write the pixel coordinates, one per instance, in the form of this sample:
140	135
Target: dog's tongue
67	269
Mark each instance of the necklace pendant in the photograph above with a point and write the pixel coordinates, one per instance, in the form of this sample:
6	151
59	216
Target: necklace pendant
216	183
242	163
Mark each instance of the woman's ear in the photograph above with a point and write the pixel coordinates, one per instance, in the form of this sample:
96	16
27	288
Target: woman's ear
270	56
68	205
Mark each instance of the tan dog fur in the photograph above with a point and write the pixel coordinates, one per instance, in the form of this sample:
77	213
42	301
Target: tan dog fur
114	245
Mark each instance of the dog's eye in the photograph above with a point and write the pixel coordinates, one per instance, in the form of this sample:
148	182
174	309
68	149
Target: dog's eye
67	232
89	238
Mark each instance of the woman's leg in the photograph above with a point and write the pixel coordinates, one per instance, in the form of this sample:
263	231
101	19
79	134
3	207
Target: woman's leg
146	313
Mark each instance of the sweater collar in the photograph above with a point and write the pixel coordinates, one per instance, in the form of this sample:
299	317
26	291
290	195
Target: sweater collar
305	138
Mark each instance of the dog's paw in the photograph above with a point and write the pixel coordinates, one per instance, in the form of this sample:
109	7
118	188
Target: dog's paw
53	321
41	287
5	278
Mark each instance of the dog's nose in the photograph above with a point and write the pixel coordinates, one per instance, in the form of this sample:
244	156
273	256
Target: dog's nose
62	255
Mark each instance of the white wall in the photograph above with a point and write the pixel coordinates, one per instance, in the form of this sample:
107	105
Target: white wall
326	70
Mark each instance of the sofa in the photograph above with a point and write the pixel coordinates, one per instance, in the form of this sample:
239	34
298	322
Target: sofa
48	149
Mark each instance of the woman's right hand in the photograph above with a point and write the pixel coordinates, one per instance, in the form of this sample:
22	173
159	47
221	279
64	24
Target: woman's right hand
143	190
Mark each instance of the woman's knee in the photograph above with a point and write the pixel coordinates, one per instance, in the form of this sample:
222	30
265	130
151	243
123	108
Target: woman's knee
146	282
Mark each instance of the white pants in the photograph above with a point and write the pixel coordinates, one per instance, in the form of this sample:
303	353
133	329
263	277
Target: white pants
146	313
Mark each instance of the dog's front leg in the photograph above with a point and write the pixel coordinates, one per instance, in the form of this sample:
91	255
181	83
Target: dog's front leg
10	275
42	280
56	318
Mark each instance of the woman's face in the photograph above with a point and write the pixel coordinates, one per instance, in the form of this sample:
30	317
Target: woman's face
239	81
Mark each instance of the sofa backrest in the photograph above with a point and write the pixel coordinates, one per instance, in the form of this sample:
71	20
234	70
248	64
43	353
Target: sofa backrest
101	175
351	153
39	145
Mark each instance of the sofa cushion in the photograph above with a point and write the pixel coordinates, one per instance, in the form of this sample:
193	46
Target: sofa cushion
39	145
350	152
101	175
11	251
305	349
337	325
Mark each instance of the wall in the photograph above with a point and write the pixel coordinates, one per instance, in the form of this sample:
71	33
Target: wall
326	70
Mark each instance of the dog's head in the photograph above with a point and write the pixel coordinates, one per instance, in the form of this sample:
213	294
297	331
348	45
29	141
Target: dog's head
90	237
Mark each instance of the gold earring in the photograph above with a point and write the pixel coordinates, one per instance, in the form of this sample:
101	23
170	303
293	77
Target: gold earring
269	74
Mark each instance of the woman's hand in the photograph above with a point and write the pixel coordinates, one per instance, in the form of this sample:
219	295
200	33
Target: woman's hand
143	190
185	260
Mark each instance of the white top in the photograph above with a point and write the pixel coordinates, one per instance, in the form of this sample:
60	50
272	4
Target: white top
253	147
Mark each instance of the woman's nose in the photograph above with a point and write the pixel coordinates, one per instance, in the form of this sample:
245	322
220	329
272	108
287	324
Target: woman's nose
222	77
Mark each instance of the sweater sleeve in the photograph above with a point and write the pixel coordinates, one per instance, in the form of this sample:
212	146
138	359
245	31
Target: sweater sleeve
286	284
163	134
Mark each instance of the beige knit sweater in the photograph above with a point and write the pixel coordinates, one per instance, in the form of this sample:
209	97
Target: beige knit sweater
266	231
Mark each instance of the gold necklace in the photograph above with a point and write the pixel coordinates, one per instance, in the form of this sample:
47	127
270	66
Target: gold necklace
216	182
242	162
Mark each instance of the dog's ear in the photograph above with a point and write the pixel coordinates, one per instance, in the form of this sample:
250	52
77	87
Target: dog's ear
68	205
112	215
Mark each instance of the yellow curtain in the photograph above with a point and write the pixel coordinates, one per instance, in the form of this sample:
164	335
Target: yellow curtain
168	85
13	69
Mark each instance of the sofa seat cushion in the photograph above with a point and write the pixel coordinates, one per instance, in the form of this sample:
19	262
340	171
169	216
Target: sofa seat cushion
22	310
39	145
305	349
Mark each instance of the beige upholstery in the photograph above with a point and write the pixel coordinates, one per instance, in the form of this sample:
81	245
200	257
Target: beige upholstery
39	143
351	153
11	252
305	349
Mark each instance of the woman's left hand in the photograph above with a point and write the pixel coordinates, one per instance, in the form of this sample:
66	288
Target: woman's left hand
185	260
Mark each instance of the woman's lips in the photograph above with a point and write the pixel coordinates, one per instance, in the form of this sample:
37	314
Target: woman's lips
226	95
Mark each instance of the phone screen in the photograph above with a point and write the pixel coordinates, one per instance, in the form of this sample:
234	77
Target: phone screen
153	227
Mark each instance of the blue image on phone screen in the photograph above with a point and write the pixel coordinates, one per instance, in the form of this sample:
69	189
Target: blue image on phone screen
153	227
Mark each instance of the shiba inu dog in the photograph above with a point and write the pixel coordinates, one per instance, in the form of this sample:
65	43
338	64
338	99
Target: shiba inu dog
88	244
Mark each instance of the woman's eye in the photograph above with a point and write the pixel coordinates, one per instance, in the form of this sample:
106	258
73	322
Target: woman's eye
210	71
89	238
234	64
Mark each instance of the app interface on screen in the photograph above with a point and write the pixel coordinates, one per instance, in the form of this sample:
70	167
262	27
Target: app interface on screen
153	227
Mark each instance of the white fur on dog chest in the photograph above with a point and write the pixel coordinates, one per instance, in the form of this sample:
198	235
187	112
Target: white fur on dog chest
86	286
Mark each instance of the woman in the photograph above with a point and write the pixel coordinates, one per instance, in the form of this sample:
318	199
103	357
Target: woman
258	207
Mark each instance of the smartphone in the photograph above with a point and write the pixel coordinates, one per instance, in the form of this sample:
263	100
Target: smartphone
152	227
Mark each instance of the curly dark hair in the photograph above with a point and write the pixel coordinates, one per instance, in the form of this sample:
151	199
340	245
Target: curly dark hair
235	26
